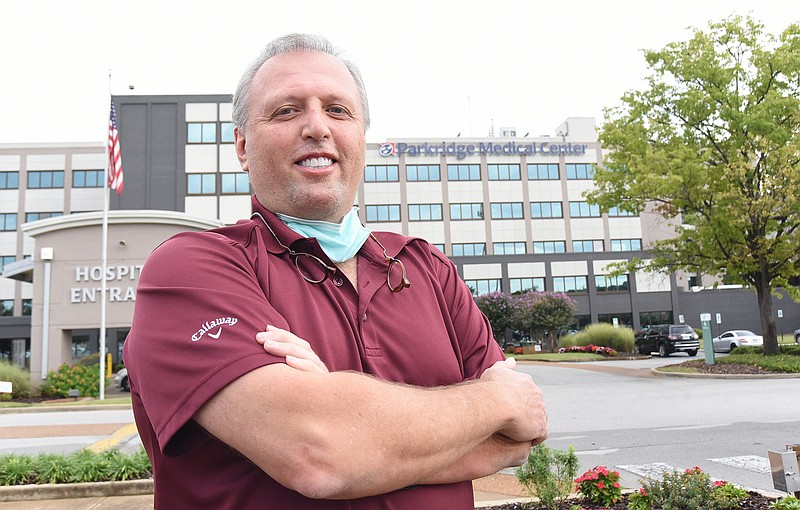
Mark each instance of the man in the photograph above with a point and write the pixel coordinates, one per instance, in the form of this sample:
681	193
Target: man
297	360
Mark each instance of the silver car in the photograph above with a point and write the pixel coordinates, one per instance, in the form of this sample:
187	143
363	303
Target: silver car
121	380
730	340
797	335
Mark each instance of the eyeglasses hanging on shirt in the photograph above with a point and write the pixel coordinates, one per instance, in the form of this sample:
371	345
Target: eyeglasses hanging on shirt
314	270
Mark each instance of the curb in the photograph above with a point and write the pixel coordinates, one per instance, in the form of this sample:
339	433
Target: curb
697	375
75	490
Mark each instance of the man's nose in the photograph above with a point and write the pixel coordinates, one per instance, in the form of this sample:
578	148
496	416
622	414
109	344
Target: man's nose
315	124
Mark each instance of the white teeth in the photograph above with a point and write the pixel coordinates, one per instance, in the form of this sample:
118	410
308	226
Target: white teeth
316	162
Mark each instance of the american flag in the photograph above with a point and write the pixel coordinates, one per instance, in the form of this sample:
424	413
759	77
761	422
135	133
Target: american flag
115	179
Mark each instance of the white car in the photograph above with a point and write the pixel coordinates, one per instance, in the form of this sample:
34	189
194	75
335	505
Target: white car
730	340
797	335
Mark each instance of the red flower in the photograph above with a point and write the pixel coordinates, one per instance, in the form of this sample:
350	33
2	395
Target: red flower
600	485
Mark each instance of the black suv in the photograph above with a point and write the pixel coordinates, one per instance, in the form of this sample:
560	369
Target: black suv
666	339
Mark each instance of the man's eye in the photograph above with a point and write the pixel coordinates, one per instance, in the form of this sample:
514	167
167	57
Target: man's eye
287	110
339	110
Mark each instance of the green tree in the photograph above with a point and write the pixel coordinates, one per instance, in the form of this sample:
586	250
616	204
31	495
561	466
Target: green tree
543	313
498	307
713	145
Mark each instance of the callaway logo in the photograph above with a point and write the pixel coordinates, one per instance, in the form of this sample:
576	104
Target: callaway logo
208	326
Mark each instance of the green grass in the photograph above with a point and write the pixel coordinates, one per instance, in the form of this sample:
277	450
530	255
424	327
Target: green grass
94	402
554	356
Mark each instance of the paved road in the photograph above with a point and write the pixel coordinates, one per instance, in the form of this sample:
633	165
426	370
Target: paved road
616	413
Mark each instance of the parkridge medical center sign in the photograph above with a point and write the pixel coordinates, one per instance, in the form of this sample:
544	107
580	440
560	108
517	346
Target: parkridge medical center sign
461	151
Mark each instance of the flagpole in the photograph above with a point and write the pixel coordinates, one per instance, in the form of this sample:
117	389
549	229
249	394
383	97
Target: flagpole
104	264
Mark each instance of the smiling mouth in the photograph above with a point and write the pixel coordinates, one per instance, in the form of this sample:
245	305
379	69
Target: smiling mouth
321	162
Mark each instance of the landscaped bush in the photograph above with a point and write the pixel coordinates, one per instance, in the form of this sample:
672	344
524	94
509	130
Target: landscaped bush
548	474
78	467
618	338
688	490
83	378
19	378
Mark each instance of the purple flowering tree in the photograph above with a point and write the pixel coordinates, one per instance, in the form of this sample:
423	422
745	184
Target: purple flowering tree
543	314
498	307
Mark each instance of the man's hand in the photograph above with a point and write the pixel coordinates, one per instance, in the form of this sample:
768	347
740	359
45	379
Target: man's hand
298	352
529	423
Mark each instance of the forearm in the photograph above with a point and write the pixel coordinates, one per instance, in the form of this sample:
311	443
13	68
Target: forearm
495	453
347	435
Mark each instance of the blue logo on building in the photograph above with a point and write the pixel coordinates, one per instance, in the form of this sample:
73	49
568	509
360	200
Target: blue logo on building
387	149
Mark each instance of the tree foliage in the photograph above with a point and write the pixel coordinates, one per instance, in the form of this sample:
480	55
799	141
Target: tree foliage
544	314
498	308
712	145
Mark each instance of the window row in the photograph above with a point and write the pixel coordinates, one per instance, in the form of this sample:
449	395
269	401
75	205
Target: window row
498	210
565	284
49	179
206	132
472	172
206	184
7	307
539	247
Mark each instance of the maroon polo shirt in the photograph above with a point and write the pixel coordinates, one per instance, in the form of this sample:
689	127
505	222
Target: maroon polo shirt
203	296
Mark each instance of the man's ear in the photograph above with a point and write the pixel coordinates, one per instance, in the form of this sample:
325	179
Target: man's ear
240	142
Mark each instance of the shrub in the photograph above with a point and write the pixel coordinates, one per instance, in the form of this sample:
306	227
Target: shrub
600	486
786	503
16	469
85	379
602	334
687	490
19	378
80	466
548	474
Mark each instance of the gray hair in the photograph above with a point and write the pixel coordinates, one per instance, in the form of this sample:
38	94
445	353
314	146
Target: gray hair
289	44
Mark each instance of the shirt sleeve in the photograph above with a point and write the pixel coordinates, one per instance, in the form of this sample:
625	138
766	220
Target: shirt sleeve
199	304
479	349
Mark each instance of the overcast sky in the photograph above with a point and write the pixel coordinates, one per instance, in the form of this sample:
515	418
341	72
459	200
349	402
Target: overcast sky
432	68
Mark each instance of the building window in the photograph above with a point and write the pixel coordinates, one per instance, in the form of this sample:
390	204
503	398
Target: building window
478	287
201	132
466	211
46	180
6	259
6	307
549	247
506	210
80	346
587	246
468	249
424	212
580	171
235	184
617	212
546	210
463	172
9	180
87	178
623	319
426	173
8	222
438	246
626	244
226	132
383	213
543	172
583	210
201	184
27	305
33	216
520	285
504	172
606	283
381	173
651	318
512	248
570	284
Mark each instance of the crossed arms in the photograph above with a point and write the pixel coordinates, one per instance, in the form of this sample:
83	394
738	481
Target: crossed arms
344	435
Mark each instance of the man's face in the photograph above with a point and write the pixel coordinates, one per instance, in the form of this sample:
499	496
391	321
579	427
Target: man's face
304	144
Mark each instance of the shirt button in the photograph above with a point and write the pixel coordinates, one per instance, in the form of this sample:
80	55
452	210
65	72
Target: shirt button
338	281
364	318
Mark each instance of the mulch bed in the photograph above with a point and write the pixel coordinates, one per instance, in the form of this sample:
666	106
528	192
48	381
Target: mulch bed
755	501
725	368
